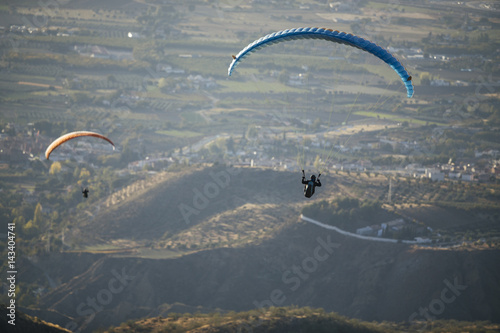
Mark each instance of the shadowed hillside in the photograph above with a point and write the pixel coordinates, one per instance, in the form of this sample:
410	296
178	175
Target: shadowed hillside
207	207
24	323
246	248
301	265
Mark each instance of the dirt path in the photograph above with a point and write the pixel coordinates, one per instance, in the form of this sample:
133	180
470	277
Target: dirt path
44	85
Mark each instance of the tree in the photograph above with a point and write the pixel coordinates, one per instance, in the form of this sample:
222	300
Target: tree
80	98
316	124
301	159
55	168
230	144
425	79
214	149
283	77
84	174
38	216
33	226
251	132
44	126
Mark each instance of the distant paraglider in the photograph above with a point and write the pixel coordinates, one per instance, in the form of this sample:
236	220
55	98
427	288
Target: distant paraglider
59	141
329	35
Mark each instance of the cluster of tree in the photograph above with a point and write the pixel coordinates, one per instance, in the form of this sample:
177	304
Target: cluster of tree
290	319
50	205
70	61
273	319
346	213
158	16
459	194
54	129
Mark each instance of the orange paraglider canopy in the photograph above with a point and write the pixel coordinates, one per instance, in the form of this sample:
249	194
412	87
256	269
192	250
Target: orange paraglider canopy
66	137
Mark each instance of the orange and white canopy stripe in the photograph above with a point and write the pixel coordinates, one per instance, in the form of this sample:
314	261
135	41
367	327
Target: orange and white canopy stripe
66	137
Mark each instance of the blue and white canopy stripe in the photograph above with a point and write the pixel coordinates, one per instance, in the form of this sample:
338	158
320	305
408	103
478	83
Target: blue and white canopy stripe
330	35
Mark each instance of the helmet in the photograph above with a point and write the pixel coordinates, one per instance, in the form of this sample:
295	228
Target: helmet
313	177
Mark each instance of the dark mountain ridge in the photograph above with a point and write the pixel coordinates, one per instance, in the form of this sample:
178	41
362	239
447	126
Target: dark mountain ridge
302	266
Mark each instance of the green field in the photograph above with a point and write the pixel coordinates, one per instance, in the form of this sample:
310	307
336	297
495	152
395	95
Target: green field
233	86
374	114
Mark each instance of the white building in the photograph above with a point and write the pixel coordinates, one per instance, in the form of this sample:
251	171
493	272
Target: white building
132	34
468	177
434	174
393	225
366	231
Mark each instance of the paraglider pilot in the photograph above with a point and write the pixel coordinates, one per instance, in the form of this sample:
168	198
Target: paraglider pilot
85	192
310	184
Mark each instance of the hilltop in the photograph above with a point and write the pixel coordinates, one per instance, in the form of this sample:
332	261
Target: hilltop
206	207
287	319
197	208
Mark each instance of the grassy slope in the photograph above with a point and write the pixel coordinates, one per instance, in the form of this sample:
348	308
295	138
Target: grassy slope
246	211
